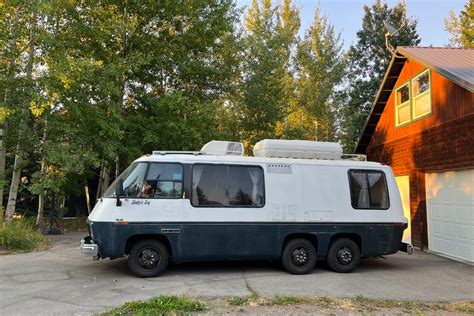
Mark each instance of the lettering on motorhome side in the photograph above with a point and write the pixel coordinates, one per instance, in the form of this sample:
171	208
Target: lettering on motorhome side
141	202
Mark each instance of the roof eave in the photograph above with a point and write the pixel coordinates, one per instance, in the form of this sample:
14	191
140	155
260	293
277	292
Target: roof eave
459	81
361	143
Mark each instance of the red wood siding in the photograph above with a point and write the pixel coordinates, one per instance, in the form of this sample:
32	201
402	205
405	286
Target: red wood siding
448	102
439	142
449	146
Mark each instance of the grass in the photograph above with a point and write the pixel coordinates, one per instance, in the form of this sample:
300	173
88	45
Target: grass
21	235
238	300
357	303
289	300
254	303
160	305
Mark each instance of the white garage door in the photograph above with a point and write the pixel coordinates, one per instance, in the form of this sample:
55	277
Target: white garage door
450	212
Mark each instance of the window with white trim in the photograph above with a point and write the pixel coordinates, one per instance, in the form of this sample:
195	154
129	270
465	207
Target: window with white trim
402	108
421	95
413	99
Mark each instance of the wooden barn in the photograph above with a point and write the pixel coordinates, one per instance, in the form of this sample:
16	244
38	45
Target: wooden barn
422	125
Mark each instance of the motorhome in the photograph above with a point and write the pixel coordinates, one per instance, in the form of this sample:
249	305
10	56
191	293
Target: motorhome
294	201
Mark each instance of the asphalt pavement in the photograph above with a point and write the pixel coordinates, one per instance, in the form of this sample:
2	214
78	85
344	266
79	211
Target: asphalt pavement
62	281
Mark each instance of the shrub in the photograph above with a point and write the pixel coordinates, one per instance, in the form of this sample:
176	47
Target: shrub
21	235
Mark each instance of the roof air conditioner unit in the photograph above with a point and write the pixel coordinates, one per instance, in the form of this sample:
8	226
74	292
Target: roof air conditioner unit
221	148
278	148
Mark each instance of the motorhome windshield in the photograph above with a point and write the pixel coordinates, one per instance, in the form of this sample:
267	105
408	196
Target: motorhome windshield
132	181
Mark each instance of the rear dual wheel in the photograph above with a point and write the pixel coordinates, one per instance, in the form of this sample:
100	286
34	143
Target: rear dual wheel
343	255
299	256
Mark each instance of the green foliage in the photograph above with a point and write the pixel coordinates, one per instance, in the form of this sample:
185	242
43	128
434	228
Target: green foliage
21	235
289	300
156	72
85	84
238	300
261	94
367	62
461	28
320	68
160	305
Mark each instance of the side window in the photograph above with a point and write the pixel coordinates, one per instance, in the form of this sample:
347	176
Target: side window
210	185
368	189
227	186
246	186
164	181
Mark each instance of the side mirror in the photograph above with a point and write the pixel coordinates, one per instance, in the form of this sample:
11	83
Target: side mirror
119	191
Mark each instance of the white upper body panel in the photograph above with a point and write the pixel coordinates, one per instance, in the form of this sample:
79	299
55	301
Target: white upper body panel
296	190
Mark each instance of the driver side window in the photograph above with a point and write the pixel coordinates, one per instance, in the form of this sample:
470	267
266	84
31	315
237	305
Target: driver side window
164	181
149	181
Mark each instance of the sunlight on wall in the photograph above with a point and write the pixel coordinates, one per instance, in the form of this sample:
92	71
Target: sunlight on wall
403	184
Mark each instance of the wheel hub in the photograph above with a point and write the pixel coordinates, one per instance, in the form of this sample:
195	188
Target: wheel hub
299	256
148	258
345	256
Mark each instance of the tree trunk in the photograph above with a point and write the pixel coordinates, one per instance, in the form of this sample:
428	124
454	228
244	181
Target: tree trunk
41	197
117	167
99	185
39	217
103	178
11	63
3	154
12	196
11	205
88	200
106	182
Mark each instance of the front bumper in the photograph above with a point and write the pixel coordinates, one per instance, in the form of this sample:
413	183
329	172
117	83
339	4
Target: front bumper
88	248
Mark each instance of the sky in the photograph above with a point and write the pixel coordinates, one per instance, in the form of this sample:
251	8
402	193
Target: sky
346	16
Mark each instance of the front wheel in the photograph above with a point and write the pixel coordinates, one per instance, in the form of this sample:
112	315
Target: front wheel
343	255
148	258
299	256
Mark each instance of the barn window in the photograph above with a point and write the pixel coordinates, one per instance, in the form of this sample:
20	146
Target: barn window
421	95
368	189
402	99
413	99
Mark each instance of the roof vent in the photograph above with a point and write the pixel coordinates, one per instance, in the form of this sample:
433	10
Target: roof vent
278	148
221	148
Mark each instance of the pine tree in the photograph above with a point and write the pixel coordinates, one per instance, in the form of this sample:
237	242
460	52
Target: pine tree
367	62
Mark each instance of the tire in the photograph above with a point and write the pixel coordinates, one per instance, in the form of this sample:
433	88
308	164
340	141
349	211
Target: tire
299	256
148	258
343	255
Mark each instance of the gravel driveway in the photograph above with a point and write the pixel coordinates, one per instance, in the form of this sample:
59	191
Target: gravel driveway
62	281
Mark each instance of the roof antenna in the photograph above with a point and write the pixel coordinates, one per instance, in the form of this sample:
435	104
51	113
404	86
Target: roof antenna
391	31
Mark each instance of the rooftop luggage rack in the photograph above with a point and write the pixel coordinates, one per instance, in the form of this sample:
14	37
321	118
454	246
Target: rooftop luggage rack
273	148
215	147
176	152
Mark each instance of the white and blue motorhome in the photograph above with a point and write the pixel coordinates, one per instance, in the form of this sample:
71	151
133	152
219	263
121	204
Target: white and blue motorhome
294	201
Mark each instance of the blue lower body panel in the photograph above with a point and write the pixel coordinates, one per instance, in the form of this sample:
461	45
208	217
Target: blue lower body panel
235	241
